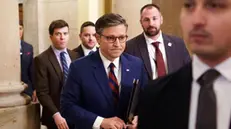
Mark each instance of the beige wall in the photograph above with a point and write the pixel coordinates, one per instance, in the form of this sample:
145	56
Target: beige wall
130	10
88	10
38	14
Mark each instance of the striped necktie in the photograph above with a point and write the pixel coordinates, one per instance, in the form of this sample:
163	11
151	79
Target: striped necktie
113	83
64	64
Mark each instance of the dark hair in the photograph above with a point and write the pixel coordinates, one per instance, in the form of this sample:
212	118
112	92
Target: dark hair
57	24
149	6
86	24
109	20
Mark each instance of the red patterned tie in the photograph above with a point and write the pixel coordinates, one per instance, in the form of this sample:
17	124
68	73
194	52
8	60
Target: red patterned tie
113	83
159	60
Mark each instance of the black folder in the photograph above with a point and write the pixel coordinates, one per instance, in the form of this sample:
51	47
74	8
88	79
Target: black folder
133	102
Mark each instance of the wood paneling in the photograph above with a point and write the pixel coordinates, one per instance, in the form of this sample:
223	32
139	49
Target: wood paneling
170	10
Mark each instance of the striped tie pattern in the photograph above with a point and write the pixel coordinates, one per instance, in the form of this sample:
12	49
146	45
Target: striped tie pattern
113	83
64	64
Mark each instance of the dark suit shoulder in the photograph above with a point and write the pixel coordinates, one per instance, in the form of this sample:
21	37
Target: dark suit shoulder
26	45
172	80
130	57
44	54
76	49
174	39
132	45
135	39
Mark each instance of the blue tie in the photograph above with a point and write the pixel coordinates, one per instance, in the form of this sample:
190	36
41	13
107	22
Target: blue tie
64	64
90	52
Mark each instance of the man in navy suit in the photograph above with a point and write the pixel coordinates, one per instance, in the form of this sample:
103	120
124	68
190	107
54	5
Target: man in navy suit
198	95
26	54
172	48
89	98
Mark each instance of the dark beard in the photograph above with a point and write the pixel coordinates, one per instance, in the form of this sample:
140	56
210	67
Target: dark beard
151	33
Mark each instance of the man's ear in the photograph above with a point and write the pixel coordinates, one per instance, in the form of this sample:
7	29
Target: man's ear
97	36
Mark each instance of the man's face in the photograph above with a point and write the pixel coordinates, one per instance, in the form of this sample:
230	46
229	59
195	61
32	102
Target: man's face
88	37
60	38
20	31
206	26
151	21
111	50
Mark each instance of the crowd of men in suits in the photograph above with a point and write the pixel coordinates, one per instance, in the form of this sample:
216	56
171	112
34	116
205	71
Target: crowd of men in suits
90	87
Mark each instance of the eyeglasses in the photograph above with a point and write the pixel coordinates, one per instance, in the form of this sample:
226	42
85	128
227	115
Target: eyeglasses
112	39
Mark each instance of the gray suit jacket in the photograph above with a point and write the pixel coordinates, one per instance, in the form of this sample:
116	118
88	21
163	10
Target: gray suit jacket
177	54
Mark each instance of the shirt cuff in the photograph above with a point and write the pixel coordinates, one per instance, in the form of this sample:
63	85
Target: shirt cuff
97	122
57	113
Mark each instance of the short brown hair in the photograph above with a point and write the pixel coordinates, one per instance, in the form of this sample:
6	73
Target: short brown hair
57	24
86	24
109	20
149	6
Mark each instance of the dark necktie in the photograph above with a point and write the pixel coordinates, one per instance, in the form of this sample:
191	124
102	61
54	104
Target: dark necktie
207	108
113	83
90	52
161	71
64	64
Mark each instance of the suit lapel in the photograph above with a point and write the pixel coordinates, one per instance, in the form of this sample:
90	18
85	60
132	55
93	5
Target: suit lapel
22	49
80	50
73	55
125	68
168	45
142	46
55	63
101	77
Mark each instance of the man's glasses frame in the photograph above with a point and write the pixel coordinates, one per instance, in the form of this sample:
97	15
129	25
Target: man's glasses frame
112	39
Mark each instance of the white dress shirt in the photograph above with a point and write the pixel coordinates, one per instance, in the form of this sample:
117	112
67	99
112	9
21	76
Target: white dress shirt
117	71
222	89
87	51
57	54
152	53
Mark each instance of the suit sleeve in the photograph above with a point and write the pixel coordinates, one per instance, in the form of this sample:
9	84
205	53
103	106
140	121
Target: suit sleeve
71	101
185	53
31	69
42	85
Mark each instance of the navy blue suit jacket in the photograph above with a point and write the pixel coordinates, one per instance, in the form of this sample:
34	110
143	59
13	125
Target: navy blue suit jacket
176	53
26	66
87	94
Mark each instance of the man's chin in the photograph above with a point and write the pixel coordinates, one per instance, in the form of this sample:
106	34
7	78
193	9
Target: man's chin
151	33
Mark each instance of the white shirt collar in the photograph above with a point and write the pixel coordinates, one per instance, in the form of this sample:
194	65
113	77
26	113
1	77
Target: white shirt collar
57	52
150	41
107	62
199	68
87	51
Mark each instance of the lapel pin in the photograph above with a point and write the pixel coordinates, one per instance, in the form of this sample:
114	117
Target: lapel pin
127	70
169	44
